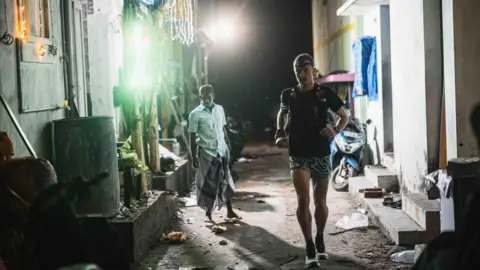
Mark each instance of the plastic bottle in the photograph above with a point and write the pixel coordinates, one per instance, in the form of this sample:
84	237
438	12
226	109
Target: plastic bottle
406	256
176	148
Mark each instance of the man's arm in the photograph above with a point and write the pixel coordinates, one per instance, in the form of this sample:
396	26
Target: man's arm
224	125
281	120
193	145
227	140
336	105
193	129
282	115
343	119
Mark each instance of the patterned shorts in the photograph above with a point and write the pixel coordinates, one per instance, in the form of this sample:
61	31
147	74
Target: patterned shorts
318	167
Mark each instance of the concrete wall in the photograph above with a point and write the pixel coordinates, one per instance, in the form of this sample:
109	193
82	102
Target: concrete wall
377	23
40	80
461	69
373	110
415	42
105	56
409	70
332	37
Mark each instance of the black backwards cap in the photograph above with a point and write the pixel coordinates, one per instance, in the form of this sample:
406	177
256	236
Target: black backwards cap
303	60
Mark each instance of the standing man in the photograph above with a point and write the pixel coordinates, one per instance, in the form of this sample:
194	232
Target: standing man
305	107
210	155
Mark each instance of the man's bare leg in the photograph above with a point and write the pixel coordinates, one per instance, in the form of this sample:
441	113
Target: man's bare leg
320	189
208	217
301	182
230	212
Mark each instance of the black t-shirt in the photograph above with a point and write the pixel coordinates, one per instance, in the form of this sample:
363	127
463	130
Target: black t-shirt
307	116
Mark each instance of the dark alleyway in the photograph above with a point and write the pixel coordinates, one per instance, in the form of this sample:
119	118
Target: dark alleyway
268	237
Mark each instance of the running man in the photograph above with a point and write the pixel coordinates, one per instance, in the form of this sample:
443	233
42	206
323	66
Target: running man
305	108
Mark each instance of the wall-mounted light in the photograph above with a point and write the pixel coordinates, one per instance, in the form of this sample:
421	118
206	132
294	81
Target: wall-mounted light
23	35
22	8
42	50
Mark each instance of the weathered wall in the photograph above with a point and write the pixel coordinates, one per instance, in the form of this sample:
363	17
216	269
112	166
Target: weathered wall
42	85
461	69
409	70
332	37
102	63
377	23
105	55
414	46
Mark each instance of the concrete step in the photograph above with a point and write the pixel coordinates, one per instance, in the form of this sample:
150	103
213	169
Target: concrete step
389	161
395	223
357	185
423	211
382	178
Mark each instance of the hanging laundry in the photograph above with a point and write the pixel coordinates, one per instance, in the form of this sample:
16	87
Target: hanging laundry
372	74
362	51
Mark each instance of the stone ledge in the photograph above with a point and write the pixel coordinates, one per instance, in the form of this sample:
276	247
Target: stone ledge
394	223
382	178
423	211
389	161
141	231
180	180
358	184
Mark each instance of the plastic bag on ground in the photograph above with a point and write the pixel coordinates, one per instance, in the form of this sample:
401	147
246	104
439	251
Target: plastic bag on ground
356	220
188	201
406	256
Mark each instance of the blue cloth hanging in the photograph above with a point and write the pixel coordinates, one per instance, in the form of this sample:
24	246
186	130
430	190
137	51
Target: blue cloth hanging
362	51
372	74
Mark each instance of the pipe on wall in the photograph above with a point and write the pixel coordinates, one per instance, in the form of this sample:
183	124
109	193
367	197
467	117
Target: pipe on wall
66	13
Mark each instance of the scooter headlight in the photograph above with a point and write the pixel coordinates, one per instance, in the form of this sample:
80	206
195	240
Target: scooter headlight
340	143
345	147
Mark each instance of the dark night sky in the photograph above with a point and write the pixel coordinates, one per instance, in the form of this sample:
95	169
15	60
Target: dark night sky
254	70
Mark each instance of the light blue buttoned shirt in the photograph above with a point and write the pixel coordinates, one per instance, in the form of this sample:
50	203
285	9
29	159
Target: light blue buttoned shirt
208	127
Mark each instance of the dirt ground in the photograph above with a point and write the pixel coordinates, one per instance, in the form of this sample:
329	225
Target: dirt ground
269	236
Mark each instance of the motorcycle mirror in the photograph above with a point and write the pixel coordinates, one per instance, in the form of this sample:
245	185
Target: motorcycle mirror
369	121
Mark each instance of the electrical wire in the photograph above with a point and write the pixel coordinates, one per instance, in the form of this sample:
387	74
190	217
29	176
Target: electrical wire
6	38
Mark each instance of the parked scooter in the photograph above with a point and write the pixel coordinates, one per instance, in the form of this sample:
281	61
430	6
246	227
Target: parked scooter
235	134
346	153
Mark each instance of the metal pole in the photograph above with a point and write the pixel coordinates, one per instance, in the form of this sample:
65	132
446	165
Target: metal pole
17	126
205	64
68	56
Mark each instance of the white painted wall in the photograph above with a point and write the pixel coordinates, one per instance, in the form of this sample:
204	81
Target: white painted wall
338	54
332	51
374	109
415	51
412	68
377	23
408	85
105	56
461	68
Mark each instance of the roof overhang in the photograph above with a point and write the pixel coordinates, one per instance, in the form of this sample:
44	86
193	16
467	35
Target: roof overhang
359	7
337	78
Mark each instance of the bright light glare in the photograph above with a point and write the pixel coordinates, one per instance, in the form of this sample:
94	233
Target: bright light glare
227	30
222	30
138	77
